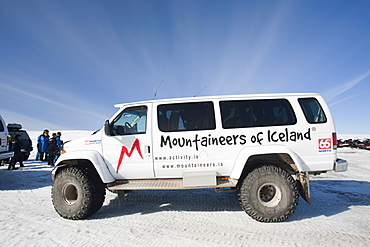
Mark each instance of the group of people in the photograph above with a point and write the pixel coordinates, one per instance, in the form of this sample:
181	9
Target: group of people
48	148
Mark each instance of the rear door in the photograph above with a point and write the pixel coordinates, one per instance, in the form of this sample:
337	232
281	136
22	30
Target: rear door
322	153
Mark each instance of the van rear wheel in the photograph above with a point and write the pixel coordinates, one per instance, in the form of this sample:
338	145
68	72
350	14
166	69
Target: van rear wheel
77	193
269	194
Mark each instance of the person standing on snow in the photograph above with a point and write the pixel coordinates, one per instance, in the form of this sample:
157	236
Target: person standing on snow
52	148
42	145
16	148
59	146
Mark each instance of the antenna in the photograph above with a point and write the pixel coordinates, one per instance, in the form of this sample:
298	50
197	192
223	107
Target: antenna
200	91
155	94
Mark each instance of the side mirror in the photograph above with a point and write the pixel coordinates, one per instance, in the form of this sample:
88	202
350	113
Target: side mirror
107	128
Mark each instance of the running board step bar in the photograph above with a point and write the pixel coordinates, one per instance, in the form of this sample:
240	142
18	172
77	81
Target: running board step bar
166	184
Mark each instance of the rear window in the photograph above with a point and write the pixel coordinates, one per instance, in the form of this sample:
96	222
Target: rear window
256	113
26	141
312	110
1	126
186	117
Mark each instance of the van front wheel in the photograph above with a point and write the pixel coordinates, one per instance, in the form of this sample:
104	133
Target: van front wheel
269	194
77	193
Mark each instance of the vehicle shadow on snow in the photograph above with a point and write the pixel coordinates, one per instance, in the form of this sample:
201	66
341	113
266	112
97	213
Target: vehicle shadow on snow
33	175
328	197
153	201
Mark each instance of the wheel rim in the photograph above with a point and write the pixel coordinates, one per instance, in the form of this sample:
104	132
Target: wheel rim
269	195
69	193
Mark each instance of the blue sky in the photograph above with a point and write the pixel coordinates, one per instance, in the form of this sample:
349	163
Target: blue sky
64	64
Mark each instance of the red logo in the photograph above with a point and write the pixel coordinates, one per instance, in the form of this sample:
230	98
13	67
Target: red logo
325	143
135	145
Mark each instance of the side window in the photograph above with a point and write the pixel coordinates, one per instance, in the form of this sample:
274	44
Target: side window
1	126
131	121
186	116
312	110
256	113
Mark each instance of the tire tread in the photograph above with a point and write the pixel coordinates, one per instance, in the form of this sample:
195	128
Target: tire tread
261	172
93	192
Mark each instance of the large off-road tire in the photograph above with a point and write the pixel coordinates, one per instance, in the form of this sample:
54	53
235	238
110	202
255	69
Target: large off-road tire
77	192
269	194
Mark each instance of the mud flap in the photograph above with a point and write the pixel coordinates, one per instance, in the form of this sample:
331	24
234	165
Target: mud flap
303	183
121	197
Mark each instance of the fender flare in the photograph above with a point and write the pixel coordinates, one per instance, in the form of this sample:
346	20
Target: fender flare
94	157
247	152
300	166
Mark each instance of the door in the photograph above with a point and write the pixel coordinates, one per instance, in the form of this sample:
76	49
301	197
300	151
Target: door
128	149
181	139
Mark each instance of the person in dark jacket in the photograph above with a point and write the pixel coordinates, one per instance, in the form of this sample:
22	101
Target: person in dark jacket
59	143
42	145
16	148
52	148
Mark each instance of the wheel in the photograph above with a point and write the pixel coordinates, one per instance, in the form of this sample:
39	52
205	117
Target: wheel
269	194
77	193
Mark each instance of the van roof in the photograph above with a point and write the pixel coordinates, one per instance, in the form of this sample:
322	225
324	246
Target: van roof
221	97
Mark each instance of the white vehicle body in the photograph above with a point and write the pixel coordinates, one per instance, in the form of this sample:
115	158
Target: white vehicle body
4	145
209	142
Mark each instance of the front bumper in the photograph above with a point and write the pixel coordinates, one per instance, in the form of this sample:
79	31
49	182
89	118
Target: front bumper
340	165
6	155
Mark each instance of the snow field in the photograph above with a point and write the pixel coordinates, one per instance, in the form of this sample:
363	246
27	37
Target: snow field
339	214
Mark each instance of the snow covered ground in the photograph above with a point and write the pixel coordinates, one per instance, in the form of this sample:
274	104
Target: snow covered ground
339	214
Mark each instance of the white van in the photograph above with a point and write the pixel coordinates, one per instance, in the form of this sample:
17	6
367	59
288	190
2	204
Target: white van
4	144
262	146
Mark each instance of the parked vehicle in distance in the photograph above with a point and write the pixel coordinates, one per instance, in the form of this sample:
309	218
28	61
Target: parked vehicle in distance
4	142
367	145
354	143
13	129
362	144
343	143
